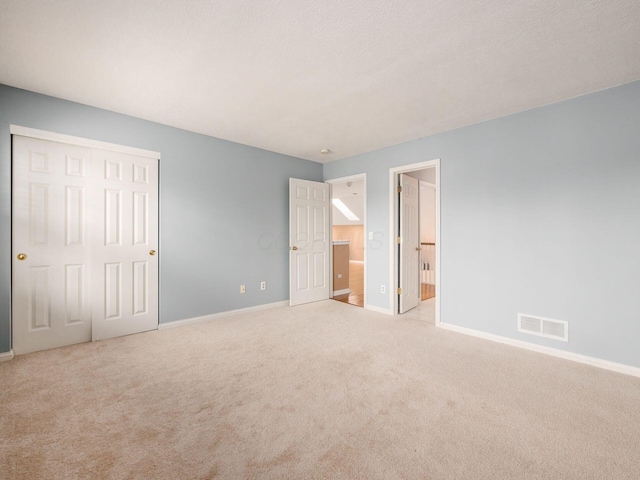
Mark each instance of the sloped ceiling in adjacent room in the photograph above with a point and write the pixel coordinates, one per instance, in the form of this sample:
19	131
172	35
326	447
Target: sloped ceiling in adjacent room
351	194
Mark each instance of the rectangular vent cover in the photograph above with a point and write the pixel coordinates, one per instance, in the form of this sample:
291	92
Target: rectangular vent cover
543	327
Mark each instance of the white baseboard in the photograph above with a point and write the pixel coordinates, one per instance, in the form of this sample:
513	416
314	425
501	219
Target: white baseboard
373	308
344	291
554	352
6	356
213	316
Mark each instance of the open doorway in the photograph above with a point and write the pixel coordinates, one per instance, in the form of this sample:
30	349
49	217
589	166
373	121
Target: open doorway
414	219
427	227
348	233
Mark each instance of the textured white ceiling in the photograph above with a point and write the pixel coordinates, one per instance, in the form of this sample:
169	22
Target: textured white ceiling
296	76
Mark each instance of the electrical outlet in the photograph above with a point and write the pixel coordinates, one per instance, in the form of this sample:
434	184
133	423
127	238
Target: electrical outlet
382	289
263	285
339	275
242	289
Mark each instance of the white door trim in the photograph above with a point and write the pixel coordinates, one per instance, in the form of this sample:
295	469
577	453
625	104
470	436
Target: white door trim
393	219
6	356
82	142
350	178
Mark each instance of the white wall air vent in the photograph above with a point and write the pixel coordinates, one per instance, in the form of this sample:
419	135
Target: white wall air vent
543	327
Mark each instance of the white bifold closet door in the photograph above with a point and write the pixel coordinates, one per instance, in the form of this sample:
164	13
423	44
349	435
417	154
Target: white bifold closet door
84	230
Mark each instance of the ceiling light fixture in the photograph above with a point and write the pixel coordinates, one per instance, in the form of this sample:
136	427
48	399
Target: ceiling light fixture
345	210
324	151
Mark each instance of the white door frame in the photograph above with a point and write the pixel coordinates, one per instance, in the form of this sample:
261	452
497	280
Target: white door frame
393	221
350	178
84	142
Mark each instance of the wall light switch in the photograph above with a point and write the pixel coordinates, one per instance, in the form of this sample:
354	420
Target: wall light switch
242	289
339	275
370	235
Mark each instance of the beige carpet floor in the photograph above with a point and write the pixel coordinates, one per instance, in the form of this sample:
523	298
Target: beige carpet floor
326	390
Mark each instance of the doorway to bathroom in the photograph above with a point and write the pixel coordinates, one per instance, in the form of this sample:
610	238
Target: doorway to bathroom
348	207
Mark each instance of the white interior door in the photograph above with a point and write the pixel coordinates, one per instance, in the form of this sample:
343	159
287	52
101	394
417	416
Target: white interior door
125	243
50	272
409	248
309	241
85	221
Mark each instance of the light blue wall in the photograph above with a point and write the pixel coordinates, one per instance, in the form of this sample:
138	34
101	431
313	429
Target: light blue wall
224	206
540	215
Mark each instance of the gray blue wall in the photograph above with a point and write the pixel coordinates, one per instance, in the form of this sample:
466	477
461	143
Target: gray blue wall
224	206
540	215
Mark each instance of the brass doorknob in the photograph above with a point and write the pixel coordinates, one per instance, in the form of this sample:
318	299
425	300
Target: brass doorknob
152	252
417	249
294	248
22	256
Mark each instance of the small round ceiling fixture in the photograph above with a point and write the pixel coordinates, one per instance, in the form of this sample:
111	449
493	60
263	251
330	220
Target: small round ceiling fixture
324	151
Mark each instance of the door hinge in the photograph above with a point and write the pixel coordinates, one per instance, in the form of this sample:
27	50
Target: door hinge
399	240
399	291
399	188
